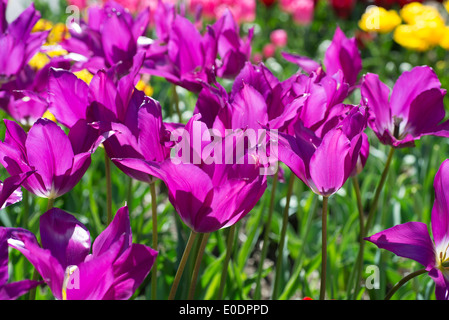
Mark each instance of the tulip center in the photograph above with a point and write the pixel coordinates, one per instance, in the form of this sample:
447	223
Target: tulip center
397	124
69	283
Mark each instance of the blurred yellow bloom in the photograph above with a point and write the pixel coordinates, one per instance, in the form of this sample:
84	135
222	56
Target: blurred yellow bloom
415	12
38	61
58	32
146	88
42	25
48	115
378	19
446	5
444	43
84	75
406	36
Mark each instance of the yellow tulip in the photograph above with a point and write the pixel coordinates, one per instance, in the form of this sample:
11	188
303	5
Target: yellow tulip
444	42
84	75
146	88
416	12
378	19
38	61
405	35
48	115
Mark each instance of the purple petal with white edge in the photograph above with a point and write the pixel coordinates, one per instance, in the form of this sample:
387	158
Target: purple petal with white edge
305	63
67	239
409	240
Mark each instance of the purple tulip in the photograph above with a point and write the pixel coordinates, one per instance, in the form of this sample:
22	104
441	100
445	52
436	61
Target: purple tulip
12	290
342	55
257	100
60	161
233	51
412	240
207	195
108	38
184	56
10	192
324	163
17	43
114	105
415	107
112	271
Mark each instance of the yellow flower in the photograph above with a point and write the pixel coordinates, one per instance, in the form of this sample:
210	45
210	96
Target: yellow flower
84	75
42	25
417	12
444	42
405	35
378	19
58	32
446	5
146	88
39	60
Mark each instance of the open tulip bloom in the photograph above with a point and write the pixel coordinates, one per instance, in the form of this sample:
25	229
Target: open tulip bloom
325	163
412	240
60	161
113	270
210	195
414	109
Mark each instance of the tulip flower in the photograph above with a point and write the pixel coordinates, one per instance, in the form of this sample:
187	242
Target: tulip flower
414	109
112	270
207	196
60	161
17	43
342	55
324	163
12	290
343	8
412	240
108	38
378	19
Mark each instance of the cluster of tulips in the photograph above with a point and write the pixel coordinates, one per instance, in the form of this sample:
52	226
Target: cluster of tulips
91	94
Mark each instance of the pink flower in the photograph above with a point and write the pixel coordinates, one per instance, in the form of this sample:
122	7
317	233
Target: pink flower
243	10
302	10
269	50
279	37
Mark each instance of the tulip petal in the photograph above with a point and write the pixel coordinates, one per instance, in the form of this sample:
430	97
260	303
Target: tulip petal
409	240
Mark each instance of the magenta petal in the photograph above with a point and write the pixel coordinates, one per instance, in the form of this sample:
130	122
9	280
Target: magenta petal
67	239
47	265
327	165
409	240
130	270
119	226
49	152
67	96
441	284
440	210
409	85
305	63
249	109
9	189
14	290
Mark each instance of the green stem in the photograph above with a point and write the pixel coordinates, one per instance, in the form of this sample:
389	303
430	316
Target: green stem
50	203
367	226
359	206
323	249
176	103
282	238
224	273
403	281
26	208
108	187
130	194
257	292
378	191
204	237
155	239
182	264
